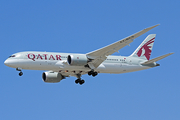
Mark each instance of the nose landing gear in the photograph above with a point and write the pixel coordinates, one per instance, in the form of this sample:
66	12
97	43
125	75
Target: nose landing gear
20	73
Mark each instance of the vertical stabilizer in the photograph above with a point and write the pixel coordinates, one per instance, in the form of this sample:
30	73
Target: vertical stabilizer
145	48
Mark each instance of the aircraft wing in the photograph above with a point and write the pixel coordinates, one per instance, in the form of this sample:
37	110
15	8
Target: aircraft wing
98	56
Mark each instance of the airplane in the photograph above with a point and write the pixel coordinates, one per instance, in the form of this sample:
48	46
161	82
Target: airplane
58	66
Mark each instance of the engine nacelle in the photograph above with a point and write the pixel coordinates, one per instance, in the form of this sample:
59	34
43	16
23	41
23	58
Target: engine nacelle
77	60
52	77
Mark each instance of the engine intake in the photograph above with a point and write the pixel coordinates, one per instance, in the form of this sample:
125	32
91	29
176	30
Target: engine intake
77	60
52	77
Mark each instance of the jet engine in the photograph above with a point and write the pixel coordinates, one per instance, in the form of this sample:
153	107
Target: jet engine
52	77
77	60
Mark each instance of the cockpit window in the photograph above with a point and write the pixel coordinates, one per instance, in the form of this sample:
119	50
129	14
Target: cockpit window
12	56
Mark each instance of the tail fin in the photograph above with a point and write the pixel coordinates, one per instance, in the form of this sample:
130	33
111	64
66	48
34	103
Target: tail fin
145	48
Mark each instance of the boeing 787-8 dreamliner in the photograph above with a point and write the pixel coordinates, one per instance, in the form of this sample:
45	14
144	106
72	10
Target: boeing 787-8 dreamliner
62	65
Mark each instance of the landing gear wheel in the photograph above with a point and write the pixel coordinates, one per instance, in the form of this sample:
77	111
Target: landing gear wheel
77	81
90	73
81	82
21	73
94	74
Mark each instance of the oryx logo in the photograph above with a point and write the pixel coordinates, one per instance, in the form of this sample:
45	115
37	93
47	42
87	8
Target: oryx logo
147	49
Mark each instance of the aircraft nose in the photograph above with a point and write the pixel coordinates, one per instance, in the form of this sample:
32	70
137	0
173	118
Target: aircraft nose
6	62
9	63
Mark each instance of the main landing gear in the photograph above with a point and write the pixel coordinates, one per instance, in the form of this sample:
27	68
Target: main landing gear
20	73
79	80
92	73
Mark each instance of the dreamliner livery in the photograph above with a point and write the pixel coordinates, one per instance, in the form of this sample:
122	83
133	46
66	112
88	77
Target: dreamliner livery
58	66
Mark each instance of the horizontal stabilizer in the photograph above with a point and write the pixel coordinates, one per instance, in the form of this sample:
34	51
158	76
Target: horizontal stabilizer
156	59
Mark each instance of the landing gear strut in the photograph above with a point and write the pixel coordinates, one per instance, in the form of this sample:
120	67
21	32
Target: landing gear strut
20	73
79	80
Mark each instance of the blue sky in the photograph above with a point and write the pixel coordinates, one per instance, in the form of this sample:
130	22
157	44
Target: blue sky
81	27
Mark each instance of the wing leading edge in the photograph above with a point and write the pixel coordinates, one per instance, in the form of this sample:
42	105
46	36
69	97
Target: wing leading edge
98	56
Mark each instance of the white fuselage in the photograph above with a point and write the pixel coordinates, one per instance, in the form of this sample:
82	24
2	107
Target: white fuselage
58	62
